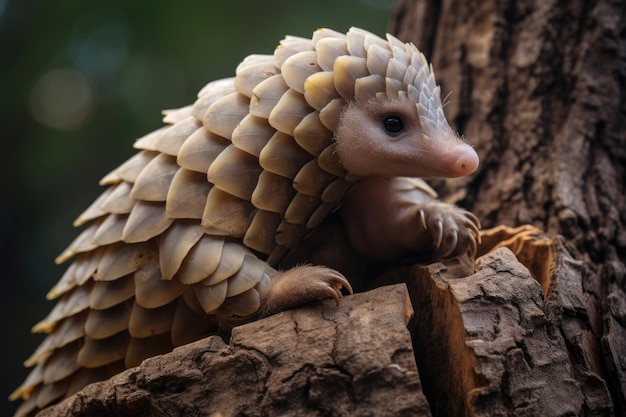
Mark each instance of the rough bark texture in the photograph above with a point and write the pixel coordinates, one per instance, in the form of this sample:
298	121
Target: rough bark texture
538	88
323	360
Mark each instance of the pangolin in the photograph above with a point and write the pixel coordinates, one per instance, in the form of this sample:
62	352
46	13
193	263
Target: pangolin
188	238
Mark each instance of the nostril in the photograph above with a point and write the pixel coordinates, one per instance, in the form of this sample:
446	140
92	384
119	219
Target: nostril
467	161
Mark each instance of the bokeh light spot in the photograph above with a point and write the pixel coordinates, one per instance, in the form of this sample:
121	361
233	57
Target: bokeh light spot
62	99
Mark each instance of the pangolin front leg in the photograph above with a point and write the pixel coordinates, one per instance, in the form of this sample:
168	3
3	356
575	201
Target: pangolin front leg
302	285
447	230
398	218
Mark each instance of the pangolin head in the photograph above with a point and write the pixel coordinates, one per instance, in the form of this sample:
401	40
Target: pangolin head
392	121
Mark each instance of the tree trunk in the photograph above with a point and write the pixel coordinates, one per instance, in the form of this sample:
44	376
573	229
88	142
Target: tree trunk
538	87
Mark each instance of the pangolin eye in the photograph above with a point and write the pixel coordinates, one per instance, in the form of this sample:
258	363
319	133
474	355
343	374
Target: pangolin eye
393	125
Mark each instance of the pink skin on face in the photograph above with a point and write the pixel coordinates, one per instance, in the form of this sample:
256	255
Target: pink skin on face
366	148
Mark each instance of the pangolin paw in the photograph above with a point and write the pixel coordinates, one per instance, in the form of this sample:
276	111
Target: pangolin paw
453	231
302	285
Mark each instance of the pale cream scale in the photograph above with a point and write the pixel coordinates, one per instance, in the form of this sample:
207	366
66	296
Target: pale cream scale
188	238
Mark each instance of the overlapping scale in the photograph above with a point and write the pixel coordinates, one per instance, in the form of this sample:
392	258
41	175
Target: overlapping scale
101	324
289	112
367	88
108	294
326	33
282	156
319	89
87	266
100	352
273	192
69	330
85	377
320	214
149	142
241	305
120	259
266	94
335	191
151	291
331	114
261	231
187	195
68	305
202	260
329	161
146	322
130	169
146	220
200	150
212	92
172	116
226	215
235	172
347	70
248	275
289	46
175	244
154	181
329	49
94	210
356	42
301	208
143	348
188	326
210	297
252	70
84	242
298	67
312	179
34	378
252	134
288	234
61	364
173	138
223	116
76	274
231	260
110	229
312	135
119	200
51	392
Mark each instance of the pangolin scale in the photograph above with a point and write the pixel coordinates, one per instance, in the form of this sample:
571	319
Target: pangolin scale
189	235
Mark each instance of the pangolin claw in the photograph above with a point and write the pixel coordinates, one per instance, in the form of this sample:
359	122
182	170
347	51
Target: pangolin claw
454	237
335	283
304	284
473	250
452	230
438	233
422	217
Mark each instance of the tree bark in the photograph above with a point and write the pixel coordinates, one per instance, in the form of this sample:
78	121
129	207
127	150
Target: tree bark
354	359
538	88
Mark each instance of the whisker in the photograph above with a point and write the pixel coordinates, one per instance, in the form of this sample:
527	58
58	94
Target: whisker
446	99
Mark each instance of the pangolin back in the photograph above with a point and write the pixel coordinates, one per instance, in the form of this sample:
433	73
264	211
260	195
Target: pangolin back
188	234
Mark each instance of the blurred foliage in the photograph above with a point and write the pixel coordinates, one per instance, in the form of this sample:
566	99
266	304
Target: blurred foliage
79	81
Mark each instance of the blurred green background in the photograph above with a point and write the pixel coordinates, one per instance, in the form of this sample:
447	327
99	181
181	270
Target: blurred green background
79	81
